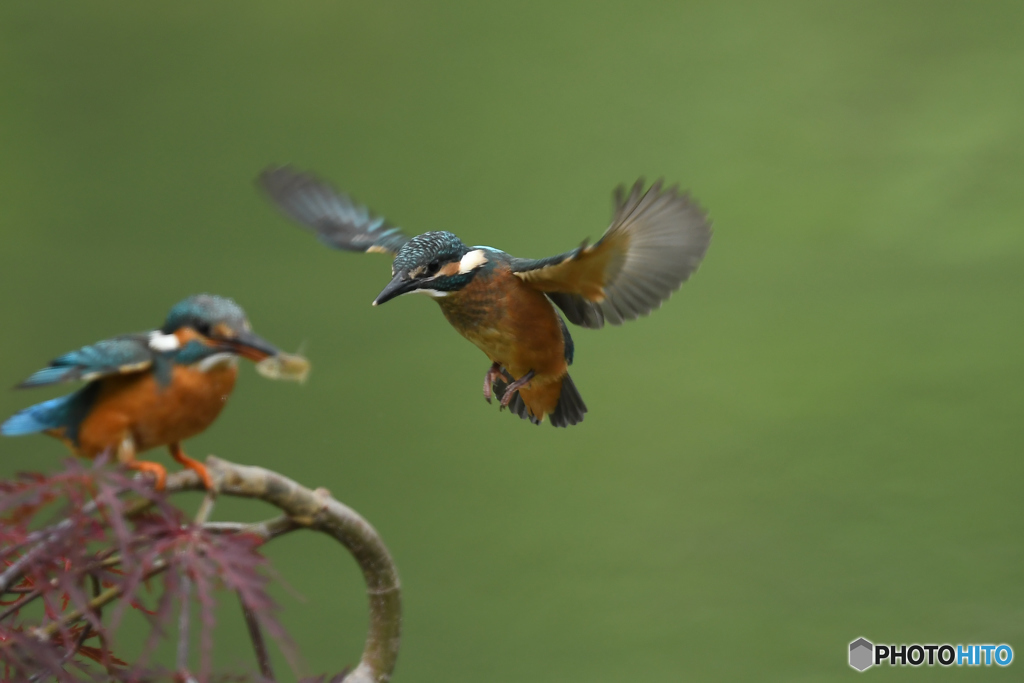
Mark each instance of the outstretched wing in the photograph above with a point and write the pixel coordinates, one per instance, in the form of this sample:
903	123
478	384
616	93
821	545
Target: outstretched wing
118	356
656	241
337	221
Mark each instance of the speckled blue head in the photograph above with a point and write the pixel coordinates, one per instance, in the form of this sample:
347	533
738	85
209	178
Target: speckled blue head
221	321
431	250
434	263
203	312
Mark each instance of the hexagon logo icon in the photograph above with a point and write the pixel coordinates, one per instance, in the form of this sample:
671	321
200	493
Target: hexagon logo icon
861	651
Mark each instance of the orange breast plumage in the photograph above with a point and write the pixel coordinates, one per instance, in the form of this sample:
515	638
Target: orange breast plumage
518	328
152	414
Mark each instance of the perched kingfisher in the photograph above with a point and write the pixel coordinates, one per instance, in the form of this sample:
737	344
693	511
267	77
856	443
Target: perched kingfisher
147	390
506	305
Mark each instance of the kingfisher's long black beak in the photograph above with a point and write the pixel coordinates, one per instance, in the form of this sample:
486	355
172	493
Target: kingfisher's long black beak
400	284
251	346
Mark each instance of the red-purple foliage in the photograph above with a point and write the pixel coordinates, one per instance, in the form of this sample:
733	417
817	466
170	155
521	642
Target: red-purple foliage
81	546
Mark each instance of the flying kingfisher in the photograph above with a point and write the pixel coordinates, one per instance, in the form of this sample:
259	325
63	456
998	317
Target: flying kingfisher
506	305
147	390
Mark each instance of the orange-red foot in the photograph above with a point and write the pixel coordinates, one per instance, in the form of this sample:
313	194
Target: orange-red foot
514	387
492	375
154	468
191	464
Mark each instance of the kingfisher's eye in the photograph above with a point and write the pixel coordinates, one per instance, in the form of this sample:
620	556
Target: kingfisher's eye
433	267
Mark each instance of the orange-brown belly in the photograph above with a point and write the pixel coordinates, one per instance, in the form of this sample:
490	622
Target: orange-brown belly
518	328
154	415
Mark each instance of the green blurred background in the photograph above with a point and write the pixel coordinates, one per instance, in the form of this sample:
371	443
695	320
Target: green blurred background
817	439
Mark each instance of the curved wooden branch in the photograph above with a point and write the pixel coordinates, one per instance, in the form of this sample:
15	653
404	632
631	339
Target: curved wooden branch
317	510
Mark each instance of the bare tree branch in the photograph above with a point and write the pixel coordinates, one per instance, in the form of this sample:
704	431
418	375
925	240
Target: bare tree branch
317	510
267	529
303	508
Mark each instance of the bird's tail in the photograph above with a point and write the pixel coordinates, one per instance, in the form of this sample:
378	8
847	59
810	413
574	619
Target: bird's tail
568	411
570	408
51	414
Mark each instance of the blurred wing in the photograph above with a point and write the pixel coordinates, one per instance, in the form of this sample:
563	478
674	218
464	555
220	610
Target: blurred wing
337	221
118	356
655	243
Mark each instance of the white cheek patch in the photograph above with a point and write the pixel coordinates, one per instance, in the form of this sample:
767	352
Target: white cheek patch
429	292
472	261
216	360
163	342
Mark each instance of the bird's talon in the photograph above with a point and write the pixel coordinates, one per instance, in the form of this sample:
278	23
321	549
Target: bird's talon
512	388
493	373
158	471
199	468
208	481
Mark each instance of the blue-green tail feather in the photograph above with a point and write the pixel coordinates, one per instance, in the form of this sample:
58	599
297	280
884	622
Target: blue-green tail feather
65	413
40	417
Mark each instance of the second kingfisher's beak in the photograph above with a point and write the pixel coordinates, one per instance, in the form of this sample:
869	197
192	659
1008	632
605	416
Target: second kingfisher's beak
248	345
399	285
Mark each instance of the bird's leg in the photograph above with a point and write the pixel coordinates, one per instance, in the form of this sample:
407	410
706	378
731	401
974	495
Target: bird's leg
514	387
178	454
154	468
126	456
493	374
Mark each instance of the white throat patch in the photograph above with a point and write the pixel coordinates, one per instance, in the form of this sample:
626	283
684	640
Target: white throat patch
437	294
472	260
158	341
216	360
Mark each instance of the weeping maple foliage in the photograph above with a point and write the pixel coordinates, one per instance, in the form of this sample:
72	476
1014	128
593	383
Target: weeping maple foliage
81	547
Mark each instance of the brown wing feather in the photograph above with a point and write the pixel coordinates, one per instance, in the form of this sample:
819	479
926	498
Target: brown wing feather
584	274
657	239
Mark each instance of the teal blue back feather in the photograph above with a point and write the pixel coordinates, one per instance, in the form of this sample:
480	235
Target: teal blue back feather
50	375
107	357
